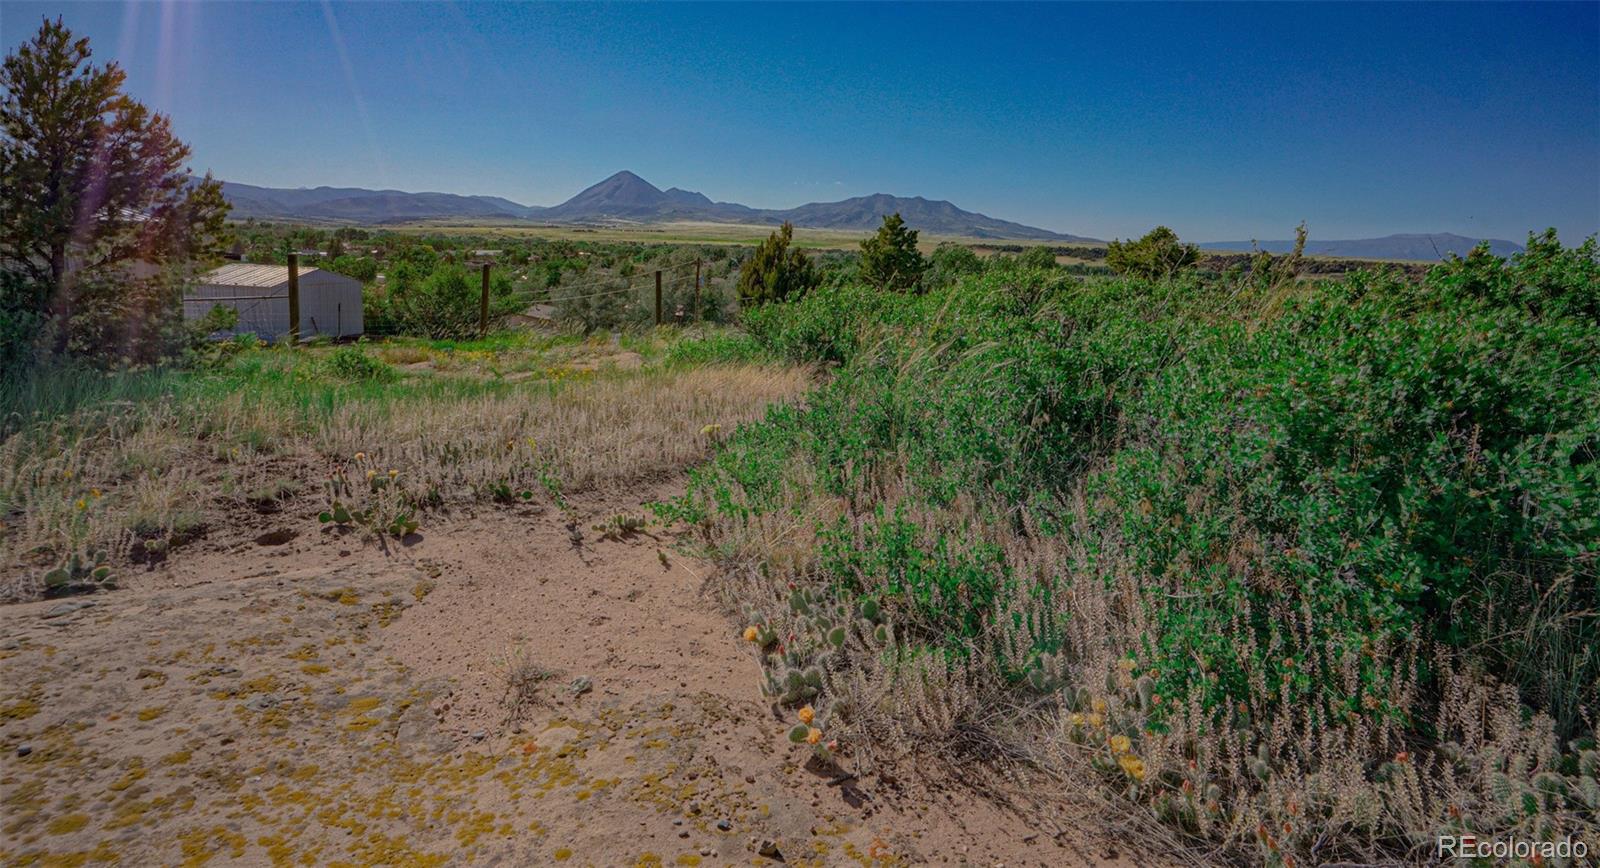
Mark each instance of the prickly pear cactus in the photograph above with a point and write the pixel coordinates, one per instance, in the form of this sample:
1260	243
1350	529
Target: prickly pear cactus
79	573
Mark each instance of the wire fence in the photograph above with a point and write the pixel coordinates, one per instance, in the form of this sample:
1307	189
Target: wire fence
678	293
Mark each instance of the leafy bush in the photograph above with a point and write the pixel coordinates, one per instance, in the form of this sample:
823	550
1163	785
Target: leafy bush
1039	256
595	305
351	364
949	263
444	304
1157	255
1271	536
362	268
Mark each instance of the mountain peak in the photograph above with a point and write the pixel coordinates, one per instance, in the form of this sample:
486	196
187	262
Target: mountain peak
626	176
627	197
621	195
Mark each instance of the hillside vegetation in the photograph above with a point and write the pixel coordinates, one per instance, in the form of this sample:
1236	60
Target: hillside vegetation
1305	572
123	470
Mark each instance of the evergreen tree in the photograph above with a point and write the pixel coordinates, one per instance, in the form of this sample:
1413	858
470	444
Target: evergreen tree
93	181
777	271
1155	256
889	259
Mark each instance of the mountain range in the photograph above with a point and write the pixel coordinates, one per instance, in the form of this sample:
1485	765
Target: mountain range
1425	247
623	197
626	197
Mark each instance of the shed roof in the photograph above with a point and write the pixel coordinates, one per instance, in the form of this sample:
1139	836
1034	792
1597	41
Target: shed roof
246	274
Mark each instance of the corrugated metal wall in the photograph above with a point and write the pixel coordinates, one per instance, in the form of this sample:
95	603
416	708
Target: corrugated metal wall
266	318
330	304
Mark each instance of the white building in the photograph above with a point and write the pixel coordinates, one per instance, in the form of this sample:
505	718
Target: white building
330	304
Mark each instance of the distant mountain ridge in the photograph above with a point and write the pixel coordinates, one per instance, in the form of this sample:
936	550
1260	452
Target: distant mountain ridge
621	197
1423	247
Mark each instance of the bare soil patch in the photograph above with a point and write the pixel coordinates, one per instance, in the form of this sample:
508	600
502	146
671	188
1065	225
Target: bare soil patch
303	697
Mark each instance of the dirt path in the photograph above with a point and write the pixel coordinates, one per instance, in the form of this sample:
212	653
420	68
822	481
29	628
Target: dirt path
318	701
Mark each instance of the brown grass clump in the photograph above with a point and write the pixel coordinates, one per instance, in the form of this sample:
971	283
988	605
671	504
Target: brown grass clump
522	677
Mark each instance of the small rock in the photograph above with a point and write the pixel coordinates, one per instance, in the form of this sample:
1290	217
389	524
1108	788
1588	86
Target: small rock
769	849
684	834
581	685
724	825
67	608
263	702
10	645
706	851
678	821
24	749
479	735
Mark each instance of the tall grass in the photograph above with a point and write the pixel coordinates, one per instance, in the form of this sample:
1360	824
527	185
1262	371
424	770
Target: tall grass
1305	573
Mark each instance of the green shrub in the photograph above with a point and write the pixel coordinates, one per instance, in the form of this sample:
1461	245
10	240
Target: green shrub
949	263
1307	508
776	271
445	304
1155	256
718	347
1039	256
351	364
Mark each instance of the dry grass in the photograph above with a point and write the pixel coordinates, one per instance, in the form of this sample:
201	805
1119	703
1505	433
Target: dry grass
1274	782
522	678
118	475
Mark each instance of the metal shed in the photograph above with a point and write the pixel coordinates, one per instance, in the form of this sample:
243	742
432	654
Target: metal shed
330	304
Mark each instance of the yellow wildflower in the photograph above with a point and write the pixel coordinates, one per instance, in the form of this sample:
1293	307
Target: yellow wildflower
807	714
1120	744
371	473
361	456
393	473
1125	664
94	492
1132	765
81	504
1075	718
751	634
1099	706
813	735
711	430
1095	719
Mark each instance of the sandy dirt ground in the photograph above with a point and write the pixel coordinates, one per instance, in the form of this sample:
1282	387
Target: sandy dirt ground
306	698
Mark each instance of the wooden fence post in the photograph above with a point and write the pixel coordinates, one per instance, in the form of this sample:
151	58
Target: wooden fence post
294	298
697	289
483	304
658	297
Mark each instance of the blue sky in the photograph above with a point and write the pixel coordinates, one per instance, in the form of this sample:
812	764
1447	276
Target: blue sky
1224	122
